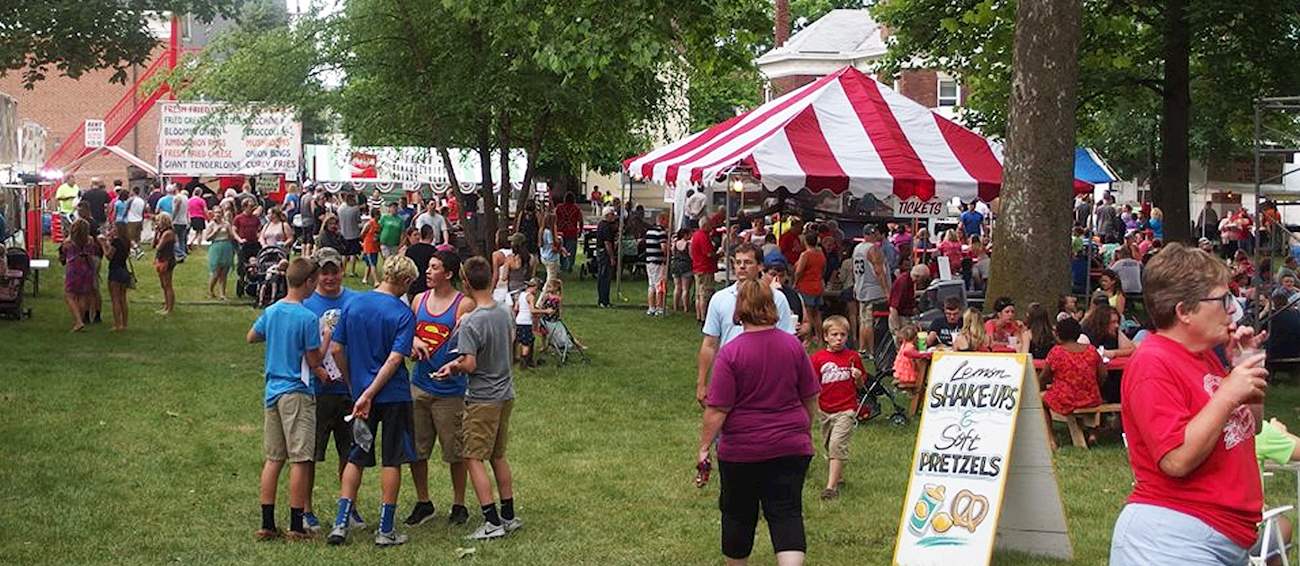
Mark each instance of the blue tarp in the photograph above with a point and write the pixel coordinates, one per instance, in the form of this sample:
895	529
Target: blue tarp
1091	168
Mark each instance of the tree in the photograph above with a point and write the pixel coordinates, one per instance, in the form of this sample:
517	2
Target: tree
1038	170
571	83
71	38
1132	103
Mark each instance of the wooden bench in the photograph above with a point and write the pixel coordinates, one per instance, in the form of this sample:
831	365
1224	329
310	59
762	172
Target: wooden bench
1074	421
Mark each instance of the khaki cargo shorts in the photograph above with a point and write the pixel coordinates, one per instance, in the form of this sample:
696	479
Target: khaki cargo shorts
437	419
486	430
837	429
289	429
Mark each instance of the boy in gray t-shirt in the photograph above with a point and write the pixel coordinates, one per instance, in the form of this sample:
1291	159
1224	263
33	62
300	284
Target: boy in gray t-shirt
487	333
484	337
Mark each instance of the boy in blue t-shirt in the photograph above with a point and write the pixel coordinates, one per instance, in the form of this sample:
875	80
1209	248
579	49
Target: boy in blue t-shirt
371	343
333	399
292	336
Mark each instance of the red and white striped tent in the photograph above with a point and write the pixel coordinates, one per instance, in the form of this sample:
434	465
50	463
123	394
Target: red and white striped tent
843	132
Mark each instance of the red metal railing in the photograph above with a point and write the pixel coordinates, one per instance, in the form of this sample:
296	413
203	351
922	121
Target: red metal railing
121	118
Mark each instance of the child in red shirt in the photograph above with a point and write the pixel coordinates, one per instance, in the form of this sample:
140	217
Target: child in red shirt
841	372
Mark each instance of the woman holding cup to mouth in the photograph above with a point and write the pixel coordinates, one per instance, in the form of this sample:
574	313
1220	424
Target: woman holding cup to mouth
1190	422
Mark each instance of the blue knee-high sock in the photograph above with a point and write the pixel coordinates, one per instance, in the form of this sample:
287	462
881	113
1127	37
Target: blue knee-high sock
345	508
387	512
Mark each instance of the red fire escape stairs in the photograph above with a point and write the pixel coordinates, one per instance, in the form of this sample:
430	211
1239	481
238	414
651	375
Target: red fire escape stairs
123	116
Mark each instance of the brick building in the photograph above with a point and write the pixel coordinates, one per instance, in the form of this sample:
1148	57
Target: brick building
851	37
61	104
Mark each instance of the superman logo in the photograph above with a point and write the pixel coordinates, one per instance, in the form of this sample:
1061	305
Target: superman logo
433	334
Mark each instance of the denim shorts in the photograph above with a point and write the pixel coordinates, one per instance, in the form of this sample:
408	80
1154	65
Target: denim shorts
1148	534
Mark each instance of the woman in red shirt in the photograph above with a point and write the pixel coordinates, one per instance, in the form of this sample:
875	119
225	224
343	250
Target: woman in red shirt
1190	423
950	248
1003	329
808	281
1074	371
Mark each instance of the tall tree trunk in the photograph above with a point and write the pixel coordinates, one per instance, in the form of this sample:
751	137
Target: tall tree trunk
1171	188
534	148
473	233
1031	263
486	195
503	141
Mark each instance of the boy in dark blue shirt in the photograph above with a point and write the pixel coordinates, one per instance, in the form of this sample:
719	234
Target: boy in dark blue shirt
292	336
371	343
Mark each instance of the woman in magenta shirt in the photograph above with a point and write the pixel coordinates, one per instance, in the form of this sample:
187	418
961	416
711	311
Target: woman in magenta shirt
759	409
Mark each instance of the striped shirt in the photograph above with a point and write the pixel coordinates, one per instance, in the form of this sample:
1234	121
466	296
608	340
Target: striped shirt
654	244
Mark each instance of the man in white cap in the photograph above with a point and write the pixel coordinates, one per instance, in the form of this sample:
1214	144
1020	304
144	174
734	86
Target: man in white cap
606	247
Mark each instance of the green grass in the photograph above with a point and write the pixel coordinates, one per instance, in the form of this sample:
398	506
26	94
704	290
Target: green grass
145	447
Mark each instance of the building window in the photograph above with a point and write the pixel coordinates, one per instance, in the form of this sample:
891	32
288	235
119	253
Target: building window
949	92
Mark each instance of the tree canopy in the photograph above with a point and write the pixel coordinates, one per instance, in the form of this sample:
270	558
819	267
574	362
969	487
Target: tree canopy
70	38
1239	50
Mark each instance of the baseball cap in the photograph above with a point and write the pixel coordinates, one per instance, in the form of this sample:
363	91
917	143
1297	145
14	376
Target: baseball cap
328	255
1203	241
774	260
608	211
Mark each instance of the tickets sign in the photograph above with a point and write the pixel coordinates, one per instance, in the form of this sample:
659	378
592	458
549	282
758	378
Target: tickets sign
916	208
196	140
962	458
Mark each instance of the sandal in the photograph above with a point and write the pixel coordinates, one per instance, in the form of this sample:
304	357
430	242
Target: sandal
830	493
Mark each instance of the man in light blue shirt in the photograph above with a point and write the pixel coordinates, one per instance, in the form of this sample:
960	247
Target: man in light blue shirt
720	325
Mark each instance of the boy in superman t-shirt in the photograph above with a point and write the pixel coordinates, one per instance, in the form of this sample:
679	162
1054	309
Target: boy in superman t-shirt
841	373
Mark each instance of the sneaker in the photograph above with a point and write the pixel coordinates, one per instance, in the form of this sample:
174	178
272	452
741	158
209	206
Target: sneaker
356	522
267	534
487	531
311	523
390	539
338	536
422	512
459	515
829	494
649	312
512	525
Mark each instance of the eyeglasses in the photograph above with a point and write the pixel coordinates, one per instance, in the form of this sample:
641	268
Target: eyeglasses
1226	300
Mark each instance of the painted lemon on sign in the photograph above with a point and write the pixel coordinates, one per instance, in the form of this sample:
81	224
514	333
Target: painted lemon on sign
941	523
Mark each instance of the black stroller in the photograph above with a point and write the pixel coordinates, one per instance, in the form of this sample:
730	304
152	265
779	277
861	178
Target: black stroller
13	277
266	282
869	399
246	268
869	394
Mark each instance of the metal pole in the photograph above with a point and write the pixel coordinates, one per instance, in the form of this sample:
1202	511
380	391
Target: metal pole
626	190
1258	217
726	236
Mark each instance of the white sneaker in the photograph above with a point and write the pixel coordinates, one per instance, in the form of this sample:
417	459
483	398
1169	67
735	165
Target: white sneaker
512	525
487	531
389	539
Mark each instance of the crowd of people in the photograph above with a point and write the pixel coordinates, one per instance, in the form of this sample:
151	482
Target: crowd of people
336	356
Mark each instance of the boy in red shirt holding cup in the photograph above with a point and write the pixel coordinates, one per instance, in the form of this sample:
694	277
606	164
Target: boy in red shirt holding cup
841	372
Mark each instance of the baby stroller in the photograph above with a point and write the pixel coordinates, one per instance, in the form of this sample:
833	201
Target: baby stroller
561	343
869	399
246	269
13	276
266	280
589	251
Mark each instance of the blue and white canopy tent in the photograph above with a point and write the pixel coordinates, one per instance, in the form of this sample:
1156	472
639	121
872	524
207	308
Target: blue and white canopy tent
1091	168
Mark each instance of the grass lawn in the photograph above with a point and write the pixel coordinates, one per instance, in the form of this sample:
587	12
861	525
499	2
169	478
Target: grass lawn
145	447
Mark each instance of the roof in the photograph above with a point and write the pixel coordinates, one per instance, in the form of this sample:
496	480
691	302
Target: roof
842	36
